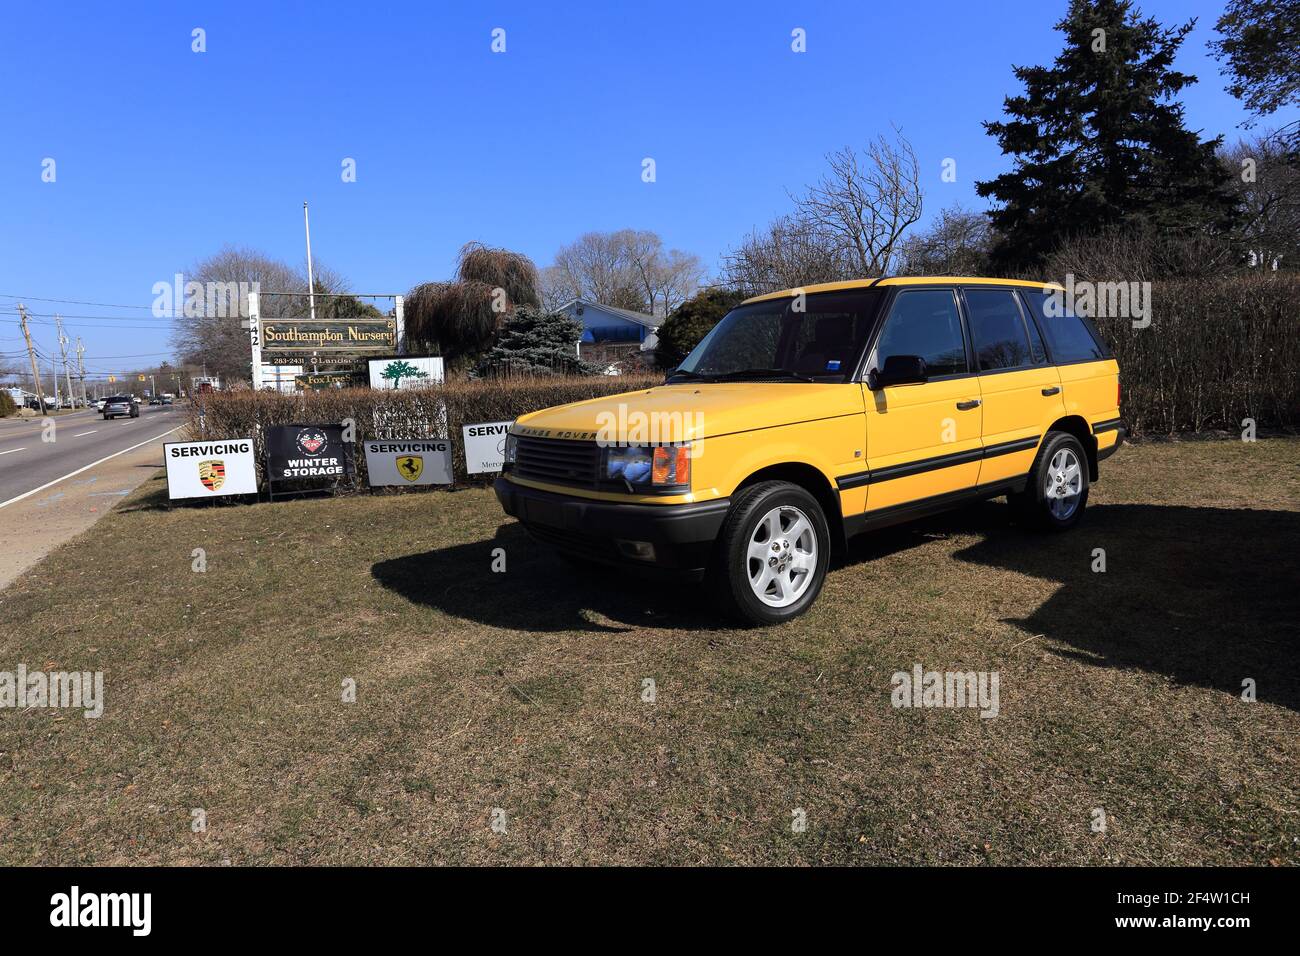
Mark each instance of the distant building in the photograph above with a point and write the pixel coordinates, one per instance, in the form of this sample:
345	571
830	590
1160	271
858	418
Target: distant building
612	335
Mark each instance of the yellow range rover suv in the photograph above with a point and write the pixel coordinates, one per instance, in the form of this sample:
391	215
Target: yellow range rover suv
808	416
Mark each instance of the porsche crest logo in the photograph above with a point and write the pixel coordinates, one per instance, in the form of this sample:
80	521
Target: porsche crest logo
212	474
410	467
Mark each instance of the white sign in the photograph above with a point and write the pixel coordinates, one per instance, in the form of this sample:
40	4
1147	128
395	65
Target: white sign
414	462
209	469
402	371
485	446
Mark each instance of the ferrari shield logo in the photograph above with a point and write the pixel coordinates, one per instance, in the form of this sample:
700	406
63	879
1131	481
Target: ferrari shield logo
212	474
410	467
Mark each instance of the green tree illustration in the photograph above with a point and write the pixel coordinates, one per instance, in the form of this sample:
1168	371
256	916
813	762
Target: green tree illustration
399	370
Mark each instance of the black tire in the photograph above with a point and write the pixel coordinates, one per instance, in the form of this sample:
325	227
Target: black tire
729	570
1033	506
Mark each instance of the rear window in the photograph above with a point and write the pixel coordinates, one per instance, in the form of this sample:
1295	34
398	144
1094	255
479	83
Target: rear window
1070	337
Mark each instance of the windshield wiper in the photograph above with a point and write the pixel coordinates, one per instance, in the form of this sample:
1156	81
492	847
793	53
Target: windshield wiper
762	373
687	373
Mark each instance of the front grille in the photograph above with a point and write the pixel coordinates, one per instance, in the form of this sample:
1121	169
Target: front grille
558	461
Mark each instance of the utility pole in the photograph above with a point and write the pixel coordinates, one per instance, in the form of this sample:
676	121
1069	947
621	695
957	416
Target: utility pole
63	347
311	282
81	371
31	354
54	374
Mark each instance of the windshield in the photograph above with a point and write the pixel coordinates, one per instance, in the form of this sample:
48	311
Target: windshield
805	338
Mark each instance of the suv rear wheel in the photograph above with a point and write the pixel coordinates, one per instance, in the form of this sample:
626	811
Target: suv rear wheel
1057	489
772	554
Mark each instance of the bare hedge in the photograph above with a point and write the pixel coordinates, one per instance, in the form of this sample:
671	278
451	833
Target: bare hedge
439	411
1217	351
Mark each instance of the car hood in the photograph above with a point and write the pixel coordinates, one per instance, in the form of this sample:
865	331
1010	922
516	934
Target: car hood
691	410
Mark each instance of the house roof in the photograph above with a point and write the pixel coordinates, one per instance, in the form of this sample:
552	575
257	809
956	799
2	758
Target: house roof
640	318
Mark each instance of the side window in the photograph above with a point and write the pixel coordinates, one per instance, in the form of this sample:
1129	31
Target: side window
925	322
997	329
1069	336
1036	349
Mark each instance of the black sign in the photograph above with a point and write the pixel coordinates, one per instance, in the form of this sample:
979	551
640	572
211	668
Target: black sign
306	452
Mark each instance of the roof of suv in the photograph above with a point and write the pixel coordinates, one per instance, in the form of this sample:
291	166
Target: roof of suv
897	280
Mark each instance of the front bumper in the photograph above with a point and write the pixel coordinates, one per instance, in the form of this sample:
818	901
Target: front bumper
682	535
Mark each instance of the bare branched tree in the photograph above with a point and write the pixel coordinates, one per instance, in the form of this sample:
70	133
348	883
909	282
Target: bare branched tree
218	341
788	254
1266	181
866	203
849	225
628	269
956	243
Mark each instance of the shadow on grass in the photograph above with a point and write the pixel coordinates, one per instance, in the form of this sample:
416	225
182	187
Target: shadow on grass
1204	596
540	591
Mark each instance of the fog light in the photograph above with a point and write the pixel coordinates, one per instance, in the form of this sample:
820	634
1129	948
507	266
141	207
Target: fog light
640	550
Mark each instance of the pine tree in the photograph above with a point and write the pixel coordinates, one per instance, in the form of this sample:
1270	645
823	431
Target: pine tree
1099	142
538	342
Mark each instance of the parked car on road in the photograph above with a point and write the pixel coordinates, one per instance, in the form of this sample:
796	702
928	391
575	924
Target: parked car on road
807	416
120	405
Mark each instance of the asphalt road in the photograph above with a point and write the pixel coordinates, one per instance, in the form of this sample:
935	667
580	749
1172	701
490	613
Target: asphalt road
80	439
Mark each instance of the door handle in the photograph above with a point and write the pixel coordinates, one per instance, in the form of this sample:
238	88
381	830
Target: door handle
1054	390
967	406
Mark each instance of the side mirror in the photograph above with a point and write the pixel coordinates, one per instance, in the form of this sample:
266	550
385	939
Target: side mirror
669	374
898	370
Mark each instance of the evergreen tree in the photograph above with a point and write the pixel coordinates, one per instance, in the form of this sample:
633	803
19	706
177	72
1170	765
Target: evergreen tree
538	342
690	322
1098	140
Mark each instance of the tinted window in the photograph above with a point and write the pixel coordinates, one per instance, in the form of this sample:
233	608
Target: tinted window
997	329
1036	348
818	336
925	322
1070	337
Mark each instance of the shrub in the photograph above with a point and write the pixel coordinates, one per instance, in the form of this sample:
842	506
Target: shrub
7	406
1217	351
536	342
409	413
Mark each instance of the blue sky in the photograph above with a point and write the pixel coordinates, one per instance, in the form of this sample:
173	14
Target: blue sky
163	155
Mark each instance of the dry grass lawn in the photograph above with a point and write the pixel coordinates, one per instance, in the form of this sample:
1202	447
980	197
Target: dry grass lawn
1119	691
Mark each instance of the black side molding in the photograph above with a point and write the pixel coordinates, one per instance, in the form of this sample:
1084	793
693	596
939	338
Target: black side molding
860	478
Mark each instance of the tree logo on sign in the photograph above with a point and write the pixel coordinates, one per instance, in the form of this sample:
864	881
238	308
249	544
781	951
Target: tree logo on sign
399	370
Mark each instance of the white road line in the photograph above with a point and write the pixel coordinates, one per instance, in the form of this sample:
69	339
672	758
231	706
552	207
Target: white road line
12	450
50	484
84	434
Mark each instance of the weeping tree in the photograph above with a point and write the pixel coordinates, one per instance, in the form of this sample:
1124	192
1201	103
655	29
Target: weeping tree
460	320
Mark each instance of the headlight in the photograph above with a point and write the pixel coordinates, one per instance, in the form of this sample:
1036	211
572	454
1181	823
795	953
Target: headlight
660	467
511	449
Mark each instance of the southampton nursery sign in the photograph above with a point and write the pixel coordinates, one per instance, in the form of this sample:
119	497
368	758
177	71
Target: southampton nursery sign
208	469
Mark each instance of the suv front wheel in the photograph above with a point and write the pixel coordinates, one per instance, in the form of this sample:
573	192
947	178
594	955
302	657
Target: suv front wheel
772	554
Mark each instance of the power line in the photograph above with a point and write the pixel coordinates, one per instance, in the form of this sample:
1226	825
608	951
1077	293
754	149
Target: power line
102	305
